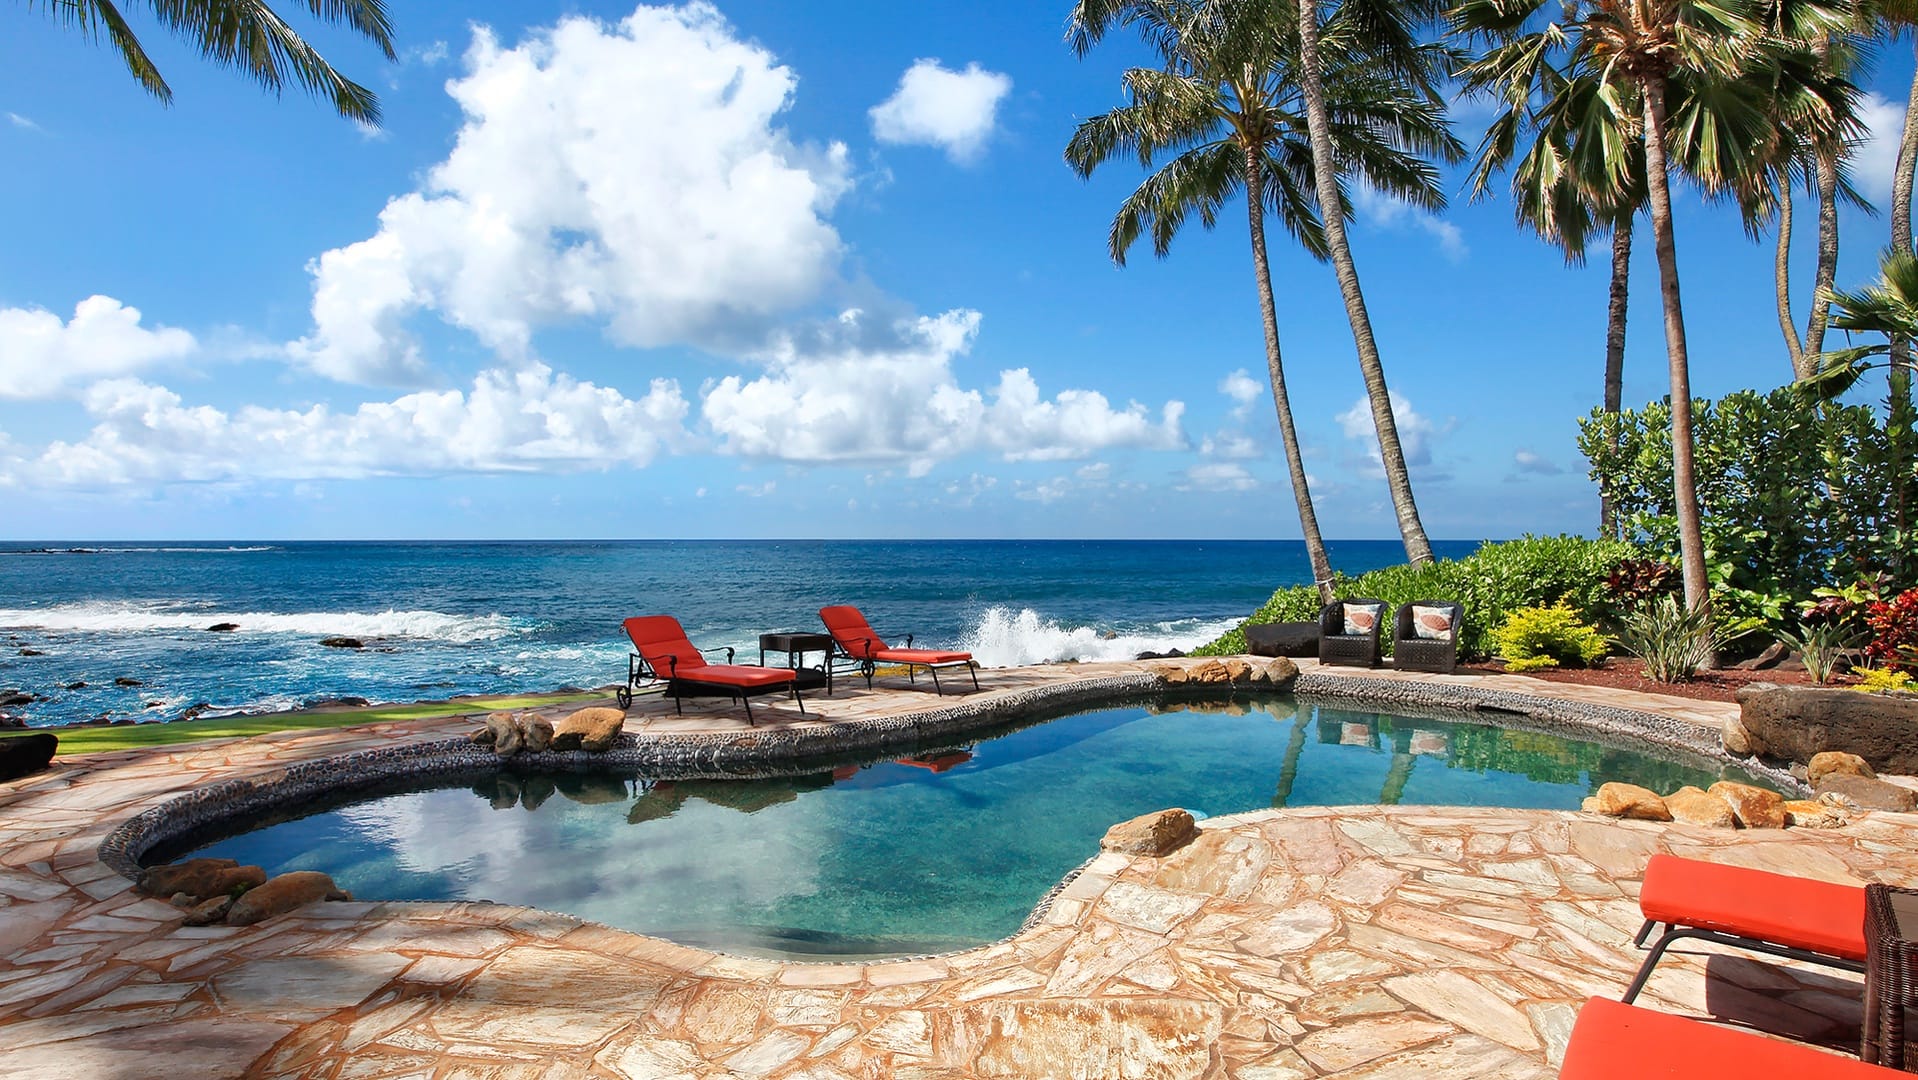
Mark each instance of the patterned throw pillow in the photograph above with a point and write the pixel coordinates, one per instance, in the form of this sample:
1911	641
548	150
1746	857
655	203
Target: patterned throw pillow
1361	618
1434	623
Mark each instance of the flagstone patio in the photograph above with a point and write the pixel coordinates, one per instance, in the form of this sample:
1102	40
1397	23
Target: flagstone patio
1359	942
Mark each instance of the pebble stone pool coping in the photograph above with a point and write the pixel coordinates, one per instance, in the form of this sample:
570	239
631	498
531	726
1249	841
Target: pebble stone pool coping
761	754
1365	921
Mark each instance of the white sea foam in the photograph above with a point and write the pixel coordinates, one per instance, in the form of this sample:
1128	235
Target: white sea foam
115	617
1007	638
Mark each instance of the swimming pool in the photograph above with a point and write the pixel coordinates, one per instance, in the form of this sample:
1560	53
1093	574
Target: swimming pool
943	849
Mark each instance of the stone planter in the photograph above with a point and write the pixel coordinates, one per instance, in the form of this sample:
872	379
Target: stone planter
1798	722
1282	639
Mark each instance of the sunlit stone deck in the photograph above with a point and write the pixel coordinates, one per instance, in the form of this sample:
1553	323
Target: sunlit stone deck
1316	942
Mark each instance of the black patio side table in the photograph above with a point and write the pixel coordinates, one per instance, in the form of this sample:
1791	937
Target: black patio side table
796	646
1891	976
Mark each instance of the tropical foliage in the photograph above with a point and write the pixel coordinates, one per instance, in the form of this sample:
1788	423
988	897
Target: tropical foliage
244	34
1547	637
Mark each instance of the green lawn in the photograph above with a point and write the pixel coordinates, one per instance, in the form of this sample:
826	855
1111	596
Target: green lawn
88	740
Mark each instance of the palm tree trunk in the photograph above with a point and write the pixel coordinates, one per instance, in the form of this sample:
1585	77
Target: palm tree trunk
1418	549
1281	402
1691	542
1827	263
1900	374
1781	279
1615	350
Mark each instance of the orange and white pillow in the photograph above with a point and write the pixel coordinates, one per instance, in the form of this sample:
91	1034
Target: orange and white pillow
1432	622
1362	618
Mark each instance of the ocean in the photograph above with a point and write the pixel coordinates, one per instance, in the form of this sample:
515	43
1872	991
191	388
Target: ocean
79	622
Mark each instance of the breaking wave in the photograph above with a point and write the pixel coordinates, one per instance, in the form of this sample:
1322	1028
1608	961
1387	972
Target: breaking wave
134	618
1007	638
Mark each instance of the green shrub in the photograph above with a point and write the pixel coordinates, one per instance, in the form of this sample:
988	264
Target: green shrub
1541	637
1492	582
1673	640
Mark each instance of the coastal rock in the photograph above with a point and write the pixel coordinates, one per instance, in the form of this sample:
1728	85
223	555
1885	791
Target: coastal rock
77	684
1630	801
1869	793
1754	807
200	878
127	681
1800	722
503	727
1813	814
343	643
594	729
283	894
31	652
1170	654
14	697
208	912
1694	807
223	627
1154	834
536	732
1834	763
11	721
1282	639
23	755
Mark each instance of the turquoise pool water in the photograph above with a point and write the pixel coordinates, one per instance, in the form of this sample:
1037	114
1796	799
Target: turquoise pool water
943	850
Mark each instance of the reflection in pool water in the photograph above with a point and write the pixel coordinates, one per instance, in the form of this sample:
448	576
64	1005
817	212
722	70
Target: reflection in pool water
942	850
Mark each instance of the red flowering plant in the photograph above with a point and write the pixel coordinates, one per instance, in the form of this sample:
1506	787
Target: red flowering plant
1894	631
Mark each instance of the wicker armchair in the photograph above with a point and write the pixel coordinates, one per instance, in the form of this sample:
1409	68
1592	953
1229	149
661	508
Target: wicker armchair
1338	647
1414	653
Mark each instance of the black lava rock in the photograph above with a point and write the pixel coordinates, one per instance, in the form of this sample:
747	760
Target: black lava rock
343	643
222	627
22	755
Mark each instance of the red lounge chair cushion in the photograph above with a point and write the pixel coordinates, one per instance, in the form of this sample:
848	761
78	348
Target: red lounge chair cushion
851	630
919	656
741	675
1817	916
1614	1041
662	643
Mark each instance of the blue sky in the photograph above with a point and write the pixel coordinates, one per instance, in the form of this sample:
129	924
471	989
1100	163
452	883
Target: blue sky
756	270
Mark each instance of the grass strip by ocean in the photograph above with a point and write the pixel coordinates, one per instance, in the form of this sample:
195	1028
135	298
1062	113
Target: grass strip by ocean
90	740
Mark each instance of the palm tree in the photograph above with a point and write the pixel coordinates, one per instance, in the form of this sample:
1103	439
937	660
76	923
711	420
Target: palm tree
243	34
1564	186
1225	110
1634	46
1388	29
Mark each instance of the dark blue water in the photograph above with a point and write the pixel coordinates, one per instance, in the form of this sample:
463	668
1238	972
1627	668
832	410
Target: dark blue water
944	850
441	619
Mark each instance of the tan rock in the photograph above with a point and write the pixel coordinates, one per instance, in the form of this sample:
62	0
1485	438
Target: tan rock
593	729
1210	671
1631	801
200	878
208	912
282	894
1236	669
1171	674
505	732
1872	794
1837	763
1152	834
1695	807
1754	807
1738	740
1813	814
1279	671
536	732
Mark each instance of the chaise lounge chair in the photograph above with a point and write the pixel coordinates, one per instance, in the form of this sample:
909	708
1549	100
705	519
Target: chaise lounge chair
1612	1041
854	640
665	655
1776	914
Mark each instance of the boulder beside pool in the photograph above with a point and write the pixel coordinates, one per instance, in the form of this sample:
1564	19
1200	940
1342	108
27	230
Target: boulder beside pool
1154	834
200	878
24	755
592	729
281	894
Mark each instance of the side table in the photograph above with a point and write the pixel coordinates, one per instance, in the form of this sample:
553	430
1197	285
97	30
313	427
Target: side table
1891	976
796	646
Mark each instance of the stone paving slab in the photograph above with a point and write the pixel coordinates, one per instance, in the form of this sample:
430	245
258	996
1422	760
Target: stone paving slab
1354	942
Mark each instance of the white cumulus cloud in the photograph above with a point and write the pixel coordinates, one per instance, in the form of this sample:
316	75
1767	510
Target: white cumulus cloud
936	106
1382	211
629	174
41	356
863	389
1218	476
1416	431
528	420
1874	164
